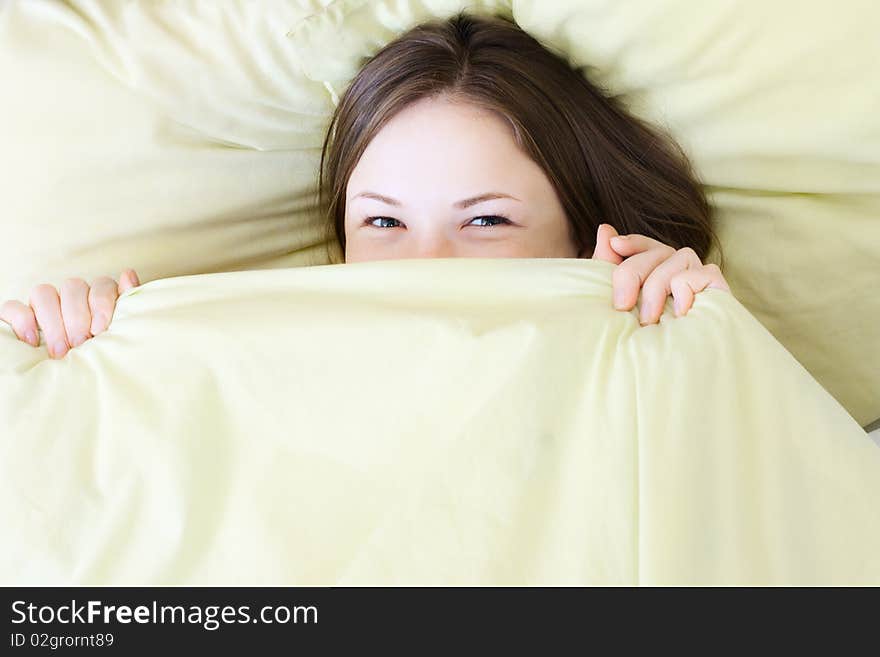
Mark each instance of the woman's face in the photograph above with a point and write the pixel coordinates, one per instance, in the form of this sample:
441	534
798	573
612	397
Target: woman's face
436	181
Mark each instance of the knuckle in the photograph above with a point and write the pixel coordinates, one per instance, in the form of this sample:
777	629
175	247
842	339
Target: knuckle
654	289
16	309
99	321
18	315
103	281
102	306
712	267
72	290
43	290
624	274
104	294
105	297
103	302
75	315
688	251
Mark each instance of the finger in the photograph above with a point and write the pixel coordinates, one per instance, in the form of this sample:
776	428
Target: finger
603	250
627	245
631	274
127	280
75	310
47	308
718	280
102	303
687	284
657	287
22	320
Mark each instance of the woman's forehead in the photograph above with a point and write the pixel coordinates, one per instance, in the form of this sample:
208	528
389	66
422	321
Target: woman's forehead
436	143
442	122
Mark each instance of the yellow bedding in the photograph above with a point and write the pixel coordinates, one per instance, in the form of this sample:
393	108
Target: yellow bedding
183	138
454	421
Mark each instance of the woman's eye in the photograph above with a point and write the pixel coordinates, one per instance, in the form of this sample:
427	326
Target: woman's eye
501	220
370	221
494	218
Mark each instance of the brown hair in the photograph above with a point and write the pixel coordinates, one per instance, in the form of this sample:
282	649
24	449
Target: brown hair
606	165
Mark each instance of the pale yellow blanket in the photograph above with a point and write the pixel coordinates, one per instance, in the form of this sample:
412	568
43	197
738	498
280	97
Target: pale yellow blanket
461	421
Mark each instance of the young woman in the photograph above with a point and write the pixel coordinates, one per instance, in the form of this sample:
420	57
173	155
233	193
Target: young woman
466	137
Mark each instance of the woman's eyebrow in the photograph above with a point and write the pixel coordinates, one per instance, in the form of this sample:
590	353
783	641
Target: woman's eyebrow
466	203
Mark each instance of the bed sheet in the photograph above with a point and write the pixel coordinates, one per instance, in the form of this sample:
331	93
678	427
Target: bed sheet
439	421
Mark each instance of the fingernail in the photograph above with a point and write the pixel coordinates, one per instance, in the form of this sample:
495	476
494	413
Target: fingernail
677	307
619	301
31	337
60	349
134	278
645	314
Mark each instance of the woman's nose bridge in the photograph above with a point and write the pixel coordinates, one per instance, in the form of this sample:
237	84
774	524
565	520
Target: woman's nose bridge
436	249
436	243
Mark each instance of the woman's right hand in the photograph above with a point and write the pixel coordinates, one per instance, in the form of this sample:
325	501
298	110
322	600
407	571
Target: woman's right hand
80	313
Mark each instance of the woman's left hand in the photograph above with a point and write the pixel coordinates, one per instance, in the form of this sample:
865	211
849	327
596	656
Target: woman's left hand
660	269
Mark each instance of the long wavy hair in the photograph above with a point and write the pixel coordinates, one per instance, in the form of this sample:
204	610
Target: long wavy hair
606	165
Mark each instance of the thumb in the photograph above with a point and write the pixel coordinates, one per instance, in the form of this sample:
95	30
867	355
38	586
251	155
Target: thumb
603	249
